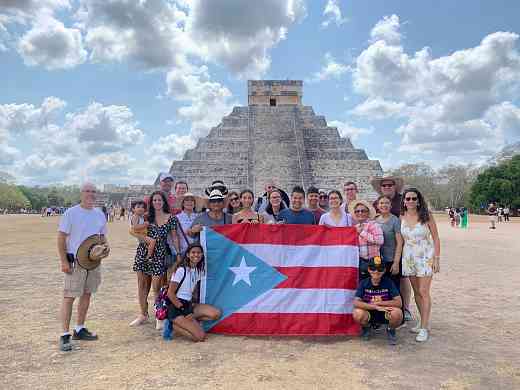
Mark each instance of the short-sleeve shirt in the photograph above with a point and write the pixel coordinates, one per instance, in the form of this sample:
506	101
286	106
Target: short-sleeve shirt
79	223
189	283
302	217
384	291
390	228
205	220
346	220
317	213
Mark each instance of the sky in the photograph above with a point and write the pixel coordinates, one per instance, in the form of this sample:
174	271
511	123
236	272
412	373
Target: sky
112	91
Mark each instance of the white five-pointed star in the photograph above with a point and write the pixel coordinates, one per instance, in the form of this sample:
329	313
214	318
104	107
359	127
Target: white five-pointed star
242	272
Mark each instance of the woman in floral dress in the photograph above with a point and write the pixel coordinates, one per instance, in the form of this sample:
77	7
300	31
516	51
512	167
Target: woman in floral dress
421	254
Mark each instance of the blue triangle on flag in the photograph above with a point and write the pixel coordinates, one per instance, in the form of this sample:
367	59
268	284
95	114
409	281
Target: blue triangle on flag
234	276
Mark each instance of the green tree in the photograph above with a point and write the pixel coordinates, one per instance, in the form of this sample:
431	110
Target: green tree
12	198
499	184
36	196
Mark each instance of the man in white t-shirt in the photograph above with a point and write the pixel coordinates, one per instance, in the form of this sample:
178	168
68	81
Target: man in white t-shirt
77	224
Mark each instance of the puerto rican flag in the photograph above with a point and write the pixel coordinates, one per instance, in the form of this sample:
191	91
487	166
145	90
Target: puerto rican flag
281	279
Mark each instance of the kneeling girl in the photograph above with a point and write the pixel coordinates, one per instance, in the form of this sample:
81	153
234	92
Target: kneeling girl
182	313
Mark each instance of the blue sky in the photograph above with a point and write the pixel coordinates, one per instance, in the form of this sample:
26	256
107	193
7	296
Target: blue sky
114	90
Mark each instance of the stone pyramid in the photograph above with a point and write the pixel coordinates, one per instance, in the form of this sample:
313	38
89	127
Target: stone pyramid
275	137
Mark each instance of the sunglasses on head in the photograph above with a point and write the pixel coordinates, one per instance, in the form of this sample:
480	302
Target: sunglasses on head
410	198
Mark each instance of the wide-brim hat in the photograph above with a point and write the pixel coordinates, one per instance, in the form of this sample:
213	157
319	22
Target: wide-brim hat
91	251
353	203
376	183
200	202
217	185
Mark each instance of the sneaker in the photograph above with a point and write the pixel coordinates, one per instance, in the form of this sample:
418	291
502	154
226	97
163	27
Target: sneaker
422	336
65	344
139	321
159	324
416	329
365	333
407	315
84	334
168	330
391	335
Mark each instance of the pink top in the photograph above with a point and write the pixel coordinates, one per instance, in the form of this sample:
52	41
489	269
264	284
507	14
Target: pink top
370	240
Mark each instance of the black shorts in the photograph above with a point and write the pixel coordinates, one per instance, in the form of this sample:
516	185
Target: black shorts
377	317
185	310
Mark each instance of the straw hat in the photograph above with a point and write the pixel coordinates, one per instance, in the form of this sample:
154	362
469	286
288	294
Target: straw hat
353	203
376	183
200	202
91	251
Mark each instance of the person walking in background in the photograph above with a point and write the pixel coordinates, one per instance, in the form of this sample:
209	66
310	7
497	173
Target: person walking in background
506	214
464	218
492	213
421	254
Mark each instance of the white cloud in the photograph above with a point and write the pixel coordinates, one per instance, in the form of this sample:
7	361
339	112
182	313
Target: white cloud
348	130
458	103
50	44
330	70
8	154
208	101
387	30
332	13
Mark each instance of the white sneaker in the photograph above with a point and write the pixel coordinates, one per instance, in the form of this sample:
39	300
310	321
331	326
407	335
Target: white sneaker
159	324
422	336
416	328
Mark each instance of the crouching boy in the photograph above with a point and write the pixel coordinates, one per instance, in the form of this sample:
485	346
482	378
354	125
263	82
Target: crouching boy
378	302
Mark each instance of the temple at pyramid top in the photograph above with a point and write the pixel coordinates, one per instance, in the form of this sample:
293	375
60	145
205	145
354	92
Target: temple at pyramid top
275	137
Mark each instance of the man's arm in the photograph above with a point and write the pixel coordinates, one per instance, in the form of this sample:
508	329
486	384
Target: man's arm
395	302
360	304
62	252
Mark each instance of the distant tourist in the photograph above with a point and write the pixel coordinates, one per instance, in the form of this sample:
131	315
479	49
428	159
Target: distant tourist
506	214
350	190
421	254
261	203
274	206
296	214
464	218
370	235
377	302
500	214
150	271
324	200
336	216
313	200
246	215
76	225
214	216
492	212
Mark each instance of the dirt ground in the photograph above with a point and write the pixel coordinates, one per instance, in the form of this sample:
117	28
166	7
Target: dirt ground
474	338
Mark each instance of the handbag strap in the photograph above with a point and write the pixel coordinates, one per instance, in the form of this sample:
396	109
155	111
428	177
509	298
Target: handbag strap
182	231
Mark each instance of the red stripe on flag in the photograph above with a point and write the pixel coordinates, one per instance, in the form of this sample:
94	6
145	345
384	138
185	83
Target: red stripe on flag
319	277
284	234
292	324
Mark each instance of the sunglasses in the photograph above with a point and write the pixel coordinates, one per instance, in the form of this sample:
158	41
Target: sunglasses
361	211
378	269
233	199
323	196
411	198
350	189
388	185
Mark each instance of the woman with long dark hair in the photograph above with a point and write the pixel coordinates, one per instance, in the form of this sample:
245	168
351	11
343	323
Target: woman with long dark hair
421	254
183	315
233	203
150	271
247	215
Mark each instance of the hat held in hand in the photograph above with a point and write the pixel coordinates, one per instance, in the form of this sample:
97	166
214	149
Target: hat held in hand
91	251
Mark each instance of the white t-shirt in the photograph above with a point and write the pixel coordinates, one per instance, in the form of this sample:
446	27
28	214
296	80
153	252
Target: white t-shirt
188	285
346	220
79	224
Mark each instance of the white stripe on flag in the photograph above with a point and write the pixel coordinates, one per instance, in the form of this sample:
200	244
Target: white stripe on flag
306	255
294	300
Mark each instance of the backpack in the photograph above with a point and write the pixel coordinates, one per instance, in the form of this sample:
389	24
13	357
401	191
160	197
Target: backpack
162	302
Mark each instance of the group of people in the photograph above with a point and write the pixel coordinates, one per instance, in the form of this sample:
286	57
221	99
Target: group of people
399	249
458	217
497	214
